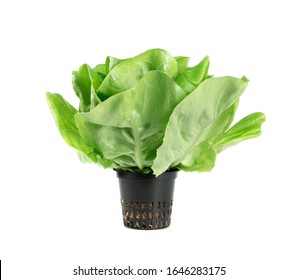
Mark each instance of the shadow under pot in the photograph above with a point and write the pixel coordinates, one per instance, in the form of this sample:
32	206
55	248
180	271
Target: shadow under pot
146	199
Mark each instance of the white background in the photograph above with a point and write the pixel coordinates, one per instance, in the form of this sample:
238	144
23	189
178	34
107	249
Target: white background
56	213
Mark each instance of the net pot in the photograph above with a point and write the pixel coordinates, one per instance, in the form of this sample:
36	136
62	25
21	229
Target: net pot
146	200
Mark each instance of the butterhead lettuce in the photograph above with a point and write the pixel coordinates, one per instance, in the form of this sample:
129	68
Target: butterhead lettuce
153	113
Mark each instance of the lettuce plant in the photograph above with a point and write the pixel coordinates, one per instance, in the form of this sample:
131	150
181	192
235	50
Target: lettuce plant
153	113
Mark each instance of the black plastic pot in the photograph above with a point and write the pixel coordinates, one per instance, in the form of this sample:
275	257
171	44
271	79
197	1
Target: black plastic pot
146	200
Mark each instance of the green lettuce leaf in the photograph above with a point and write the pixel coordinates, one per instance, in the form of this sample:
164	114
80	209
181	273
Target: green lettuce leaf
129	127
192	118
182	63
201	159
192	77
100	69
86	82
203	155
248	127
63	114
126	74
111	62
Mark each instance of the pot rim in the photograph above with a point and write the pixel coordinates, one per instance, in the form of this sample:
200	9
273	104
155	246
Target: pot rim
167	175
